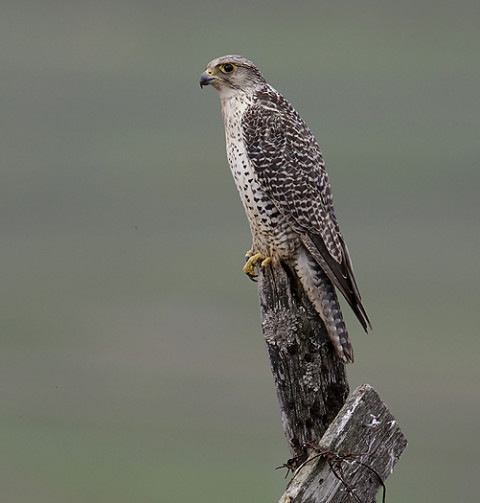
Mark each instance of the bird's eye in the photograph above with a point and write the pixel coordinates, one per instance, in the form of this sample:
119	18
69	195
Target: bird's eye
227	68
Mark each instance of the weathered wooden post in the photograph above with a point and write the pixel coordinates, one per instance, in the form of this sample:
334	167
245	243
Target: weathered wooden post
342	450
279	171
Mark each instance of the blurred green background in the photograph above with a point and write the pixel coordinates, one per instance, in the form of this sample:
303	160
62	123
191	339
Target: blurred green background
132	363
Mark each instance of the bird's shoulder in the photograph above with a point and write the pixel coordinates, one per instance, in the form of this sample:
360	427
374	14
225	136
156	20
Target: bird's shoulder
271	123
268	104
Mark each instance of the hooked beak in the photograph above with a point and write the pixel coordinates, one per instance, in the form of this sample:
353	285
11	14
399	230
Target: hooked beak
207	78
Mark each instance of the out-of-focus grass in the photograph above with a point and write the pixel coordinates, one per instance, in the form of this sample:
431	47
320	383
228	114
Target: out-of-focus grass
132	365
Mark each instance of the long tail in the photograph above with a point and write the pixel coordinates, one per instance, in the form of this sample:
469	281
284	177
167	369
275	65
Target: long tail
321	293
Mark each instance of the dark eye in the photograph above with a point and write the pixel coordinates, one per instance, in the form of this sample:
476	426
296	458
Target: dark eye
227	68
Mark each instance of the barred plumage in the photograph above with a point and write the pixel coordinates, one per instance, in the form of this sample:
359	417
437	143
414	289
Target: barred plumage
280	174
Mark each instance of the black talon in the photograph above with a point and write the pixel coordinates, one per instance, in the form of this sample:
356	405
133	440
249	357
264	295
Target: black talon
252	277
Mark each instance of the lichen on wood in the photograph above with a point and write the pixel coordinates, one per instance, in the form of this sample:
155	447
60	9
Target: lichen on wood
342	450
310	379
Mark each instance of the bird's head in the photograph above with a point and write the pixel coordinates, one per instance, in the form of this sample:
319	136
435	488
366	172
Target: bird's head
231	73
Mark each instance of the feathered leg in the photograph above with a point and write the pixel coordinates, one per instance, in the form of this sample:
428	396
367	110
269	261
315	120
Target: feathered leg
321	294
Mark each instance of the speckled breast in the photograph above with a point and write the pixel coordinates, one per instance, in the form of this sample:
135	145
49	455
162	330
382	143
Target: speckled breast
271	234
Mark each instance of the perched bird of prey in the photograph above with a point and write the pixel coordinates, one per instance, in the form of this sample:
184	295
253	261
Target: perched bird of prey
280	173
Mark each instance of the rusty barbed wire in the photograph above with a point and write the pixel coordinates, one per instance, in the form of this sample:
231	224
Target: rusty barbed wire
335	461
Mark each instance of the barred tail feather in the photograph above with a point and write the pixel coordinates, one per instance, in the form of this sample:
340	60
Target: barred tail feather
321	294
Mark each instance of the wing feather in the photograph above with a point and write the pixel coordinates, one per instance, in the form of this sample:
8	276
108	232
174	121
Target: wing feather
290	168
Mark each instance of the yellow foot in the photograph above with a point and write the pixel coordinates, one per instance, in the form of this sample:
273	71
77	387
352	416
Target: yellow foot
249	267
249	254
266	262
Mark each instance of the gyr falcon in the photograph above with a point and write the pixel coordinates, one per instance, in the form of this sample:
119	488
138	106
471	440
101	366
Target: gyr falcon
280	173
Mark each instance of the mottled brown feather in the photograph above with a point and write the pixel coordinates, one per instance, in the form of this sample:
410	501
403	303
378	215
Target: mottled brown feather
290	168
